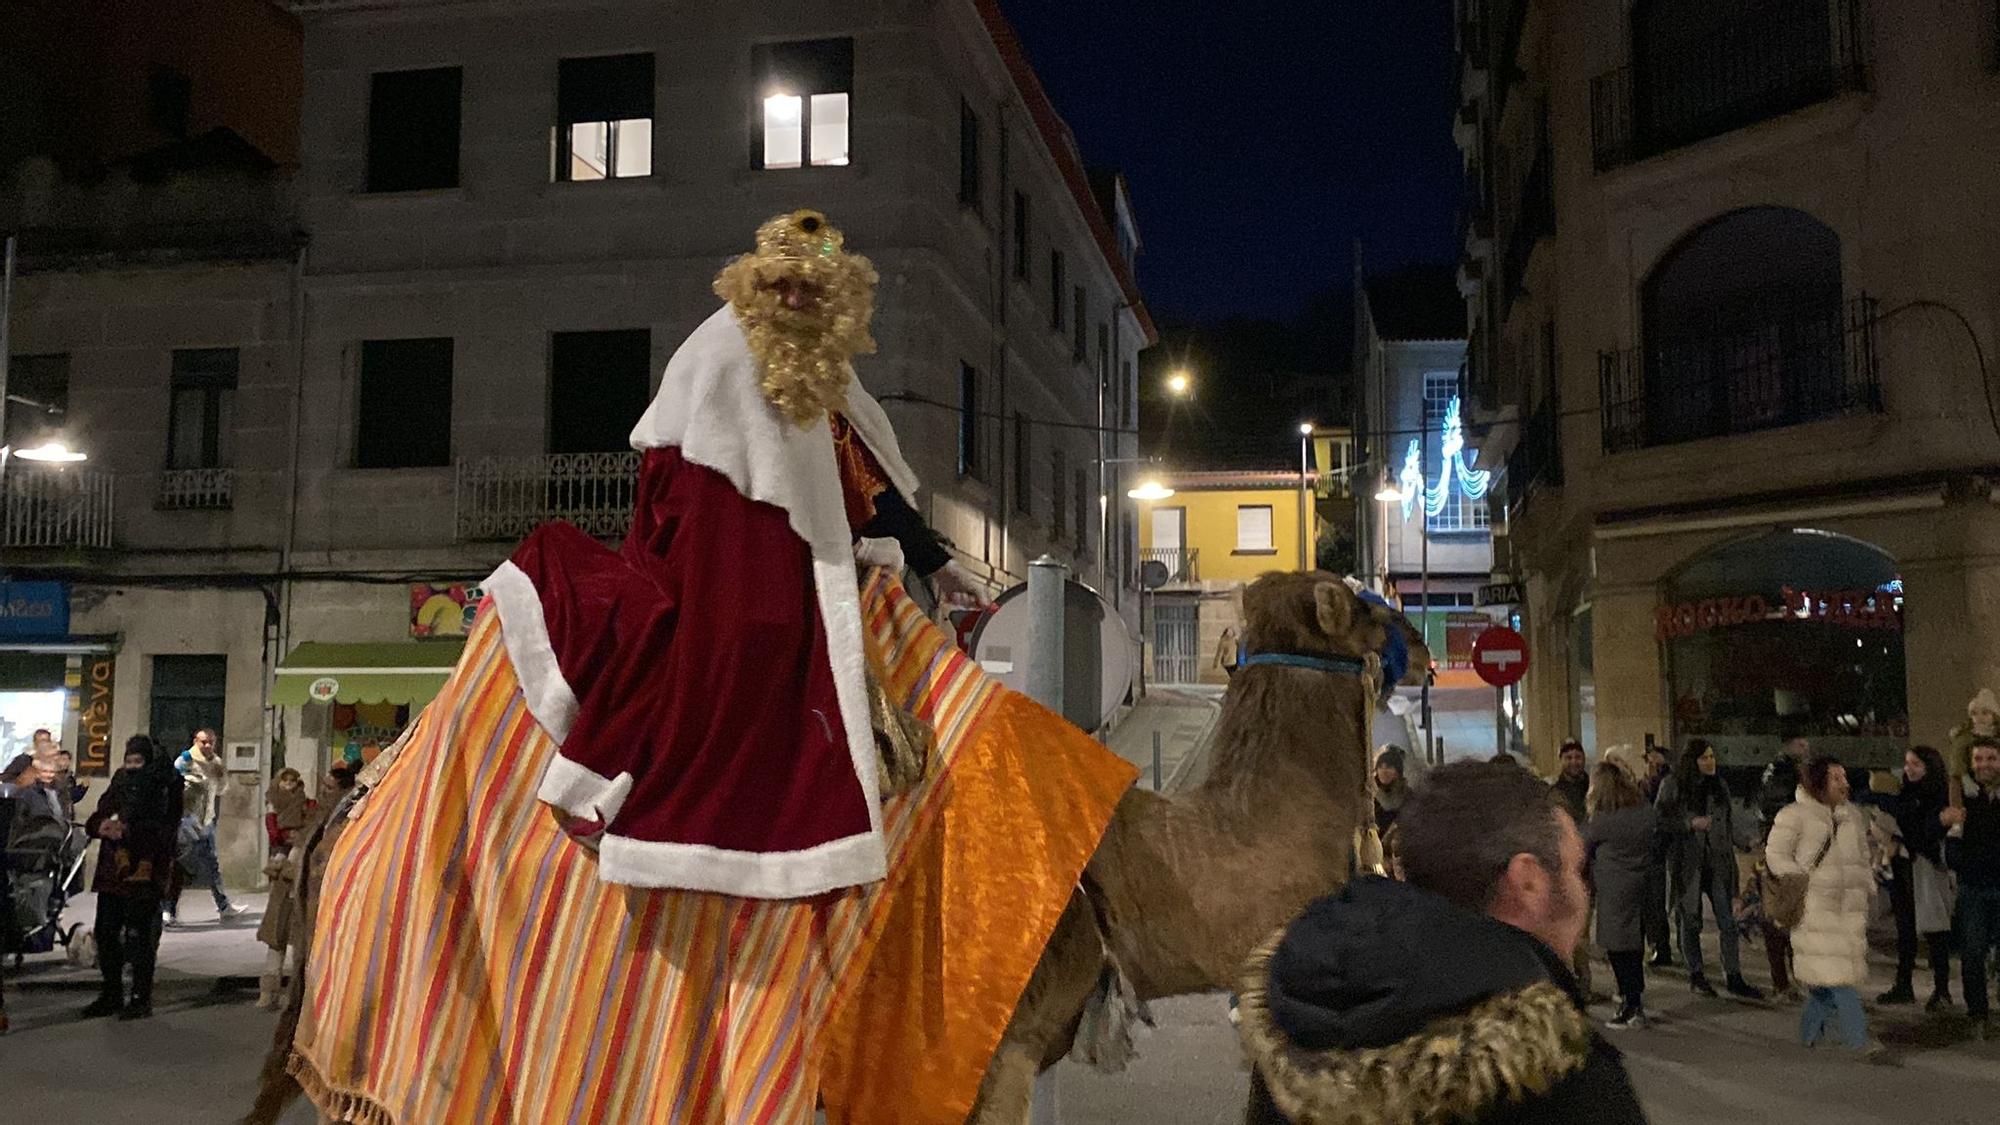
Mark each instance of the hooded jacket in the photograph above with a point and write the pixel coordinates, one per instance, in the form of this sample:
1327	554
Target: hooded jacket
1388	1005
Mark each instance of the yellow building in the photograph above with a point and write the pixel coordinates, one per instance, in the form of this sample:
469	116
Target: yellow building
1198	548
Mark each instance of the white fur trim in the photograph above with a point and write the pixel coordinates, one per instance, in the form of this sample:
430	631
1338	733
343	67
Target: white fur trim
847	862
583	792
885	553
526	633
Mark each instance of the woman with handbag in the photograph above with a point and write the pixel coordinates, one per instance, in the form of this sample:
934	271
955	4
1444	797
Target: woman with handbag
1920	890
1819	845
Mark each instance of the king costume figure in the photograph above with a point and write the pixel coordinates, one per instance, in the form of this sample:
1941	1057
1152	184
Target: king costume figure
738	757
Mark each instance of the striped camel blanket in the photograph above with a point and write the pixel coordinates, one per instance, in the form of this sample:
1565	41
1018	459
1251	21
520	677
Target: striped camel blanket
469	966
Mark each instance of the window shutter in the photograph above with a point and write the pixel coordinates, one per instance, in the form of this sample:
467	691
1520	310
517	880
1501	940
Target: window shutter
609	88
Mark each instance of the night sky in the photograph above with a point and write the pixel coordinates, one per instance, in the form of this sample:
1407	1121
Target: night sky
1261	138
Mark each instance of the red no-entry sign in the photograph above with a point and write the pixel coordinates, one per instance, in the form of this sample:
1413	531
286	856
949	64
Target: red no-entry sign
1500	656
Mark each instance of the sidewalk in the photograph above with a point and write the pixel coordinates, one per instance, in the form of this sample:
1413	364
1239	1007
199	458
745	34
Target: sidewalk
202	961
1183	717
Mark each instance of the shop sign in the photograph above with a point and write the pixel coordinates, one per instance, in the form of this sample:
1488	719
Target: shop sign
323	689
1499	593
99	677
1854	609
34	610
444	610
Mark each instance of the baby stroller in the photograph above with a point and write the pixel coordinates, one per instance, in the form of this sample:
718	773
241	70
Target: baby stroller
44	867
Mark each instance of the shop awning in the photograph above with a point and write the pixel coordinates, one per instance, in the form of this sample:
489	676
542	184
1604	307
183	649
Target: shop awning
411	673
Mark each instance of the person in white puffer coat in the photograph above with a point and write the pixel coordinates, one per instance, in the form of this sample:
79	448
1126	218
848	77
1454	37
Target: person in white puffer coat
1823	834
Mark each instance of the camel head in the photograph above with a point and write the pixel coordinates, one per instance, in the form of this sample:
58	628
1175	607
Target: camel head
1312	614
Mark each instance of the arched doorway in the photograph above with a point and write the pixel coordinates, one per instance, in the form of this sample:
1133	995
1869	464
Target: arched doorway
1795	631
1745	327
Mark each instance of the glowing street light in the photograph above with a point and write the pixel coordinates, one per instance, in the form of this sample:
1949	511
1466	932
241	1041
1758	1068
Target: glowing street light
1305	429
1150	490
1179	384
52	452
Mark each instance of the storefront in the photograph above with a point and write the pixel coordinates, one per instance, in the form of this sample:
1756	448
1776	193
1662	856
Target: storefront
1790	631
354	699
50	680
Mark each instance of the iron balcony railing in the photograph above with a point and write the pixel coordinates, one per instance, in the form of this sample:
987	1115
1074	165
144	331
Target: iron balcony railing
1536	460
1696	74
1814	361
1182	564
507	497
181	490
64	508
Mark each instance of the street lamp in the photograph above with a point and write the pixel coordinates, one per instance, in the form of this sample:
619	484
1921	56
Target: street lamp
52	452
1305	497
1150	490
1180	383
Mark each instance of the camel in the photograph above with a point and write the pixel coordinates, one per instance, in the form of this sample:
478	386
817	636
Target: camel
1182	888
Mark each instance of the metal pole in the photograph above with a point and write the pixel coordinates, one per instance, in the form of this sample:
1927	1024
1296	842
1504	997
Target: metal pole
1157	737
1501	743
1305	505
1046	577
1424	528
6	348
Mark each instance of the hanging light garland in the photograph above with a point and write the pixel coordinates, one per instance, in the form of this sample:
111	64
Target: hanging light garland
1451	463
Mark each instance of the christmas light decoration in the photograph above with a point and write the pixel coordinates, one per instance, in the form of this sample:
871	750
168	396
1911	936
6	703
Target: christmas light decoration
1451	464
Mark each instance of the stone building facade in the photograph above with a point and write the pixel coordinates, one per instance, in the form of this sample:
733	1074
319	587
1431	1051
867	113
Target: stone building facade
1731	270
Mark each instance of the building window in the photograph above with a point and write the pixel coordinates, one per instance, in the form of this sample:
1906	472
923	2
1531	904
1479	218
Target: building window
404	415
1086	512
1058	290
969	462
604	118
1079	349
169	100
1459	513
1058	497
188	694
599	383
1253	530
969	190
413	138
1130	395
1024	499
804	94
1023	263
37	398
201	416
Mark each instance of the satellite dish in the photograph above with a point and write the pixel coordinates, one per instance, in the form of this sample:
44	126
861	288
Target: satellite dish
1153	574
1098	667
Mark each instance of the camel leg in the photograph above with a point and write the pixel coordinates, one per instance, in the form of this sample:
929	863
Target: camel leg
1045	1020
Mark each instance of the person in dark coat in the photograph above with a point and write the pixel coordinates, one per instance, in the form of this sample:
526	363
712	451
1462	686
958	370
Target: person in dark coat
1618	841
1352	1013
1694	806
138	821
1779	785
1917	876
1389	789
1973	850
1572	780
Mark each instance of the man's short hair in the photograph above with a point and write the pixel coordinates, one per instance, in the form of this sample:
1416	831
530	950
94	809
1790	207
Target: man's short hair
1464	824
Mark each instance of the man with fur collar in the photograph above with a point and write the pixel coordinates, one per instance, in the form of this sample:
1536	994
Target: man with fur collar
707	684
1354	1015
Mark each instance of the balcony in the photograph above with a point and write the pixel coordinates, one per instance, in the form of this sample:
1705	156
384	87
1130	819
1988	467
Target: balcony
503	498
1697	75
195	490
1181	565
56	508
1815	361
1534	219
1536	460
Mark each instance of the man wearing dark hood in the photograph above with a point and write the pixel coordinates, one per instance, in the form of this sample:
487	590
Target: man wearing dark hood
1352	1015
137	821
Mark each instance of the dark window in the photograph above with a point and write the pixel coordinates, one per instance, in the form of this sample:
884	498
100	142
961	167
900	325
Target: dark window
188	695
1023	264
201	418
1130	395
1024	498
404	419
413	118
1059	494
969	191
37	398
169	100
1079	349
969	461
1086	512
1058	289
604	117
598	386
804	96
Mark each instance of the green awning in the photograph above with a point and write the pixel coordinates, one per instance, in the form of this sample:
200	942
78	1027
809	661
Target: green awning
412	672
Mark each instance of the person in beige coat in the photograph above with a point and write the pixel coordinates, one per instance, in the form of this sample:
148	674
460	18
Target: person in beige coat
1824	836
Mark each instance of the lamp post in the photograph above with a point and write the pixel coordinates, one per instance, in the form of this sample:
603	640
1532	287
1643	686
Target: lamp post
1305	496
6	346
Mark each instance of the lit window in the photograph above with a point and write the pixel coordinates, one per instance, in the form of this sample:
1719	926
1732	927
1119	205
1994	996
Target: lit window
604	118
806	90
1253	528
